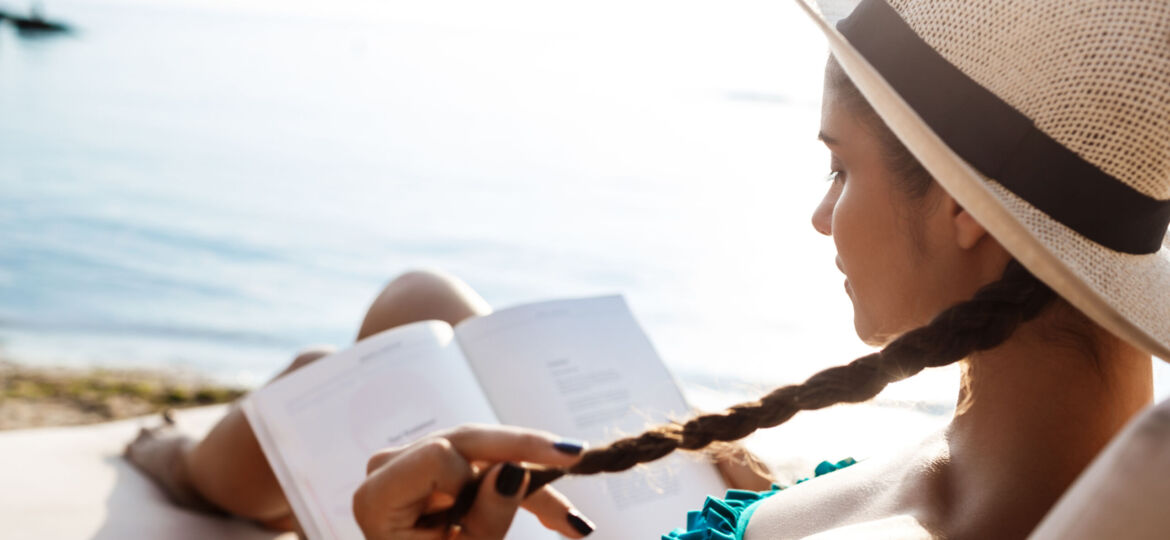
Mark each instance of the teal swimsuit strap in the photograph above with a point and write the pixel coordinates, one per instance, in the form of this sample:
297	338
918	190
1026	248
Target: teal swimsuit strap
746	516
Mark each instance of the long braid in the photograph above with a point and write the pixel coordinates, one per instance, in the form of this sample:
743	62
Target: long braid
985	321
981	323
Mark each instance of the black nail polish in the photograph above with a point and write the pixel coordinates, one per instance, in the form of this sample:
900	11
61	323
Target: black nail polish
508	482
569	447
579	524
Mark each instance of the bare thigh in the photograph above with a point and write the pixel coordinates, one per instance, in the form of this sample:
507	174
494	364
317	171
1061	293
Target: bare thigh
228	468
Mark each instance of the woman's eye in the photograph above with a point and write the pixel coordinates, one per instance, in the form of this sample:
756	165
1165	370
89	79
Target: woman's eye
836	176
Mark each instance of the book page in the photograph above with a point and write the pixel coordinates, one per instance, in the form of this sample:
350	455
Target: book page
584	369
319	425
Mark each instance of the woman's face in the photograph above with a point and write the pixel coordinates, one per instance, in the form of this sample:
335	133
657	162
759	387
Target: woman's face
892	248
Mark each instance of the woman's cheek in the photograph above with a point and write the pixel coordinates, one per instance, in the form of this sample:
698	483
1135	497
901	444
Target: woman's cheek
844	230
854	234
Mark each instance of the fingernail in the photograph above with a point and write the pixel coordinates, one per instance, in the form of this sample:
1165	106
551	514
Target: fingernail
579	524
508	482
569	447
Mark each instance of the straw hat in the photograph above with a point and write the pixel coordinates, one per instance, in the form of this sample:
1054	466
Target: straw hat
1047	120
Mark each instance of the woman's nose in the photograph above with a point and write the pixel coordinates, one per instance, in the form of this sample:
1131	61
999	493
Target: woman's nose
822	218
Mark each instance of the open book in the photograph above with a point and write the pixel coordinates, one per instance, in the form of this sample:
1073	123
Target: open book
582	369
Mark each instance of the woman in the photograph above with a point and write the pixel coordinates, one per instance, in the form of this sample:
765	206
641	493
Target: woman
1050	283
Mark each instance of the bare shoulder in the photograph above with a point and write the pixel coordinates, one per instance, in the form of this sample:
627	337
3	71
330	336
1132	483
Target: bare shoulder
879	497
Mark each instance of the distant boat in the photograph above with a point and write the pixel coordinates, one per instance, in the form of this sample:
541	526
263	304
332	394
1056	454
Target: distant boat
37	24
34	23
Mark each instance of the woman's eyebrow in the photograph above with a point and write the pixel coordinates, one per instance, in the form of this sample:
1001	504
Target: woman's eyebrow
827	139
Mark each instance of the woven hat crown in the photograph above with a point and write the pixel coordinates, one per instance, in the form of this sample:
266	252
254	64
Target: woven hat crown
1092	75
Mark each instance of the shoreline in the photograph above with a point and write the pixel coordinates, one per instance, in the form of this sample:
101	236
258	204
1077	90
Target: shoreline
49	396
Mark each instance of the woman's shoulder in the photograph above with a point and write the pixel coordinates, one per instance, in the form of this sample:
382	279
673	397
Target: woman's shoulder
821	503
855	501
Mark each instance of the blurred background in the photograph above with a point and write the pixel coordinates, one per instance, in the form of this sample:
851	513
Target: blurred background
209	186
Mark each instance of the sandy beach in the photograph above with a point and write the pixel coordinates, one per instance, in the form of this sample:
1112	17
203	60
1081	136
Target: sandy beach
33	396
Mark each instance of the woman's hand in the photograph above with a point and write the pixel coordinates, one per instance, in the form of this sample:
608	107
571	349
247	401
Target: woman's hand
741	469
406	482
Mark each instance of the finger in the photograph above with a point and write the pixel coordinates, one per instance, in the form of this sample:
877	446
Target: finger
382	456
511	443
496	504
556	512
397	493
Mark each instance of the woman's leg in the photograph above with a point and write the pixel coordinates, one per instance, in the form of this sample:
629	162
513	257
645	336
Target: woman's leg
228	469
422	295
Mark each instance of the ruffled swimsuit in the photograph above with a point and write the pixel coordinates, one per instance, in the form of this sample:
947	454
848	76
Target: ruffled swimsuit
727	518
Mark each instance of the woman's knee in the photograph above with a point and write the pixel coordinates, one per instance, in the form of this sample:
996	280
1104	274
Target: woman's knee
307	356
421	295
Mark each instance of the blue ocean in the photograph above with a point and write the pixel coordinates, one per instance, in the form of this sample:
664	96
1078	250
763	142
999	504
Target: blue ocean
215	185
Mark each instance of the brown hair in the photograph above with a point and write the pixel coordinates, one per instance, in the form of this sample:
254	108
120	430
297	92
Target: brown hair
983	322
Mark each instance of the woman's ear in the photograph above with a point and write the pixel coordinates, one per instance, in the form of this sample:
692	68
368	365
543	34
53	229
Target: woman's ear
968	232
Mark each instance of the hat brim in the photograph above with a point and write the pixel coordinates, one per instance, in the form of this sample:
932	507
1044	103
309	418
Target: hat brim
1128	295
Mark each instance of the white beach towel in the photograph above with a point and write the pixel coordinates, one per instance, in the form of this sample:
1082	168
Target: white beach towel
72	482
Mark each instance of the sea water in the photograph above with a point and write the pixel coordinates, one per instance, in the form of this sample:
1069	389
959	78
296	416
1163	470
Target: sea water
212	185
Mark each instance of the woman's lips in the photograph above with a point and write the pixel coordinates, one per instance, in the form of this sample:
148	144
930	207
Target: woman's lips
848	290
